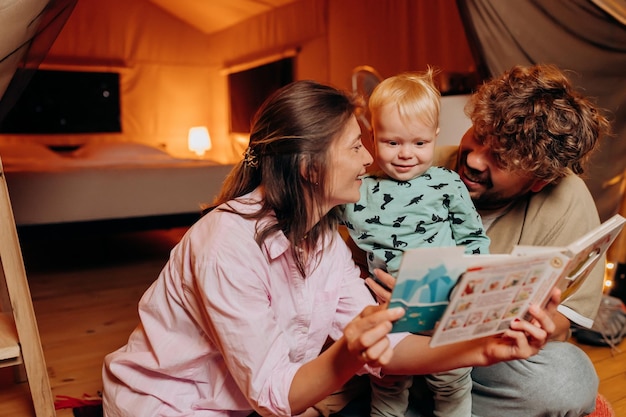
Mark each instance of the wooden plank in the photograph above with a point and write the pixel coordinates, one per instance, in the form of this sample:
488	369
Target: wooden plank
22	307
611	368
9	346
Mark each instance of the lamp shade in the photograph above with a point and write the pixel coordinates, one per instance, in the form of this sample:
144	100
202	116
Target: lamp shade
199	140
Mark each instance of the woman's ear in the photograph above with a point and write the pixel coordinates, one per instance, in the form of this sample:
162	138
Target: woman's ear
309	176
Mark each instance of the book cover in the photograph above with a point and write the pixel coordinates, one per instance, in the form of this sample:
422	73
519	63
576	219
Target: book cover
423	285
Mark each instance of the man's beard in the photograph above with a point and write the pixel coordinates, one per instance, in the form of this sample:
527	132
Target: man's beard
493	201
488	199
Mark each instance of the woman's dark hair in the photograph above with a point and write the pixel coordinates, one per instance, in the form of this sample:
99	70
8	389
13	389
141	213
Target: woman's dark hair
290	139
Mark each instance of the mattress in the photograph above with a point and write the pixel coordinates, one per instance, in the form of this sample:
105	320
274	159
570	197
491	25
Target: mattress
105	181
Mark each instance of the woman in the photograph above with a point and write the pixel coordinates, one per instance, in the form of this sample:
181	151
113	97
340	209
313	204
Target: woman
237	318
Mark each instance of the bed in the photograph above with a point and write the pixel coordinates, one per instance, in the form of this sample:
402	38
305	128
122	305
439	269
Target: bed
105	182
130	183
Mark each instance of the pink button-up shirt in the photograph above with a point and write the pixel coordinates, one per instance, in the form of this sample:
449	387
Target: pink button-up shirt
228	323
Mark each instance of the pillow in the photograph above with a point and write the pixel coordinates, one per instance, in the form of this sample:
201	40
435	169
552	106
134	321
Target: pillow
26	152
120	152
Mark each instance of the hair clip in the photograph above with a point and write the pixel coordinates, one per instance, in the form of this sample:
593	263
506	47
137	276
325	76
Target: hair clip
249	158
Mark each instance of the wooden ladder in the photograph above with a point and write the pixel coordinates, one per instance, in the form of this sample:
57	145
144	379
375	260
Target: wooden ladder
20	344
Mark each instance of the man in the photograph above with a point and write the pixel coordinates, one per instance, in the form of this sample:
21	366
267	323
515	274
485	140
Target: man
530	137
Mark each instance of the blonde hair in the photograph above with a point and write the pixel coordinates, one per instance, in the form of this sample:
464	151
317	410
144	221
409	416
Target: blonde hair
414	94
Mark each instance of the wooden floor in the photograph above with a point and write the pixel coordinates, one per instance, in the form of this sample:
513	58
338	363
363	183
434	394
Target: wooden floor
85	292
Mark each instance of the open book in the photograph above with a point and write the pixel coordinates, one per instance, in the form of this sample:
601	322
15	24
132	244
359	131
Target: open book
464	297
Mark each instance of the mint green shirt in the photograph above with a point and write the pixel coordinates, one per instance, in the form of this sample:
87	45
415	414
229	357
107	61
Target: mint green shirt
434	209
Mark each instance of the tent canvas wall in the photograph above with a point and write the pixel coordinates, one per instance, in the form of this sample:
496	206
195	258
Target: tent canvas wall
174	62
174	75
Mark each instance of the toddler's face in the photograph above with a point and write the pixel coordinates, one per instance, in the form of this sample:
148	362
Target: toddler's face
404	148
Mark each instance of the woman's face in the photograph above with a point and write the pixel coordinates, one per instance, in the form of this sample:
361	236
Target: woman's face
348	163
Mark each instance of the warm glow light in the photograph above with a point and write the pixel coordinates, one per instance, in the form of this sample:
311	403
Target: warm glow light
199	140
608	276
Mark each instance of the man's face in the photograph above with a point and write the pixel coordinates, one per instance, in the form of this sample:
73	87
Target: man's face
490	186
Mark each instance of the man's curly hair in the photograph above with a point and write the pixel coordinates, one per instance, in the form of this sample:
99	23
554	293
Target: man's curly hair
534	121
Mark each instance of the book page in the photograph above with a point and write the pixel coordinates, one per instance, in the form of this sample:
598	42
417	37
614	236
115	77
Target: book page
490	295
584	254
587	251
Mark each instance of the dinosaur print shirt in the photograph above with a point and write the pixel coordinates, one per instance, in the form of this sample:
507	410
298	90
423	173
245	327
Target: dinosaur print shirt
434	209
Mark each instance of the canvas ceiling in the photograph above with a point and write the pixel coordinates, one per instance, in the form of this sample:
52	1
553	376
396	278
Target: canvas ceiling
210	16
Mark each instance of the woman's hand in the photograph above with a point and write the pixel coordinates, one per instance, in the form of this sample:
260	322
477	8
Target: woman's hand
366	335
364	341
381	286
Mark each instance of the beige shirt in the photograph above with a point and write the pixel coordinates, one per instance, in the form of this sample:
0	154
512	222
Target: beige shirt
556	216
